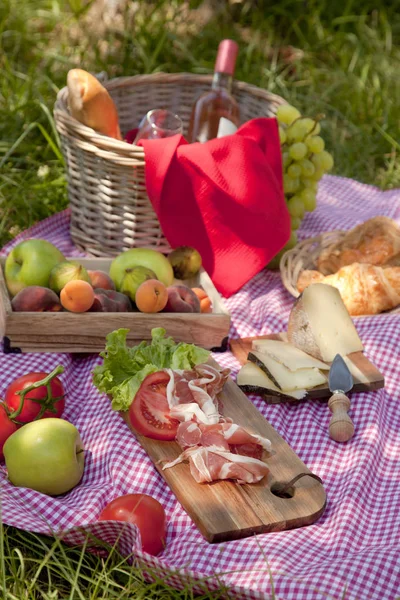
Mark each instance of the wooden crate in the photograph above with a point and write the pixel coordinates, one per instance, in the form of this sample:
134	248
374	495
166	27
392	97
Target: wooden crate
86	332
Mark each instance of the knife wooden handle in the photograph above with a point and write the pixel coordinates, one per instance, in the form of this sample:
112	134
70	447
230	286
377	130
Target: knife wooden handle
341	427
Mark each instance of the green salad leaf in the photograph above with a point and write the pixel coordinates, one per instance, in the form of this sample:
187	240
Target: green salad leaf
123	369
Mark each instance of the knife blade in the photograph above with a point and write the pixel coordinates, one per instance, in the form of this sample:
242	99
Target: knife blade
340	381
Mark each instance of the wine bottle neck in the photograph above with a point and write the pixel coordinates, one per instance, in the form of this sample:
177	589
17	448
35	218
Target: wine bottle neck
222	80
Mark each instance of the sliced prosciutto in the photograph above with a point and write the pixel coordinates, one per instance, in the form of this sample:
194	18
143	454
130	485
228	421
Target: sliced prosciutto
210	463
192	395
226	436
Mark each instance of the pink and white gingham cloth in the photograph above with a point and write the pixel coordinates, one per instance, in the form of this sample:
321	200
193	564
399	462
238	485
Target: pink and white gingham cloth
352	551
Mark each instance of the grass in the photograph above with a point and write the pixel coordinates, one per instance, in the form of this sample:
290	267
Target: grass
338	58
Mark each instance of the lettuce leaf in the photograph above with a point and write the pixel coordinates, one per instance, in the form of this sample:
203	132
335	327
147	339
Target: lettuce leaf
124	368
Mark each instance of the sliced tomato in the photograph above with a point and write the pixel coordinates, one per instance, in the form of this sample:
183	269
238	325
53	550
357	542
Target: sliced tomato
146	512
149	412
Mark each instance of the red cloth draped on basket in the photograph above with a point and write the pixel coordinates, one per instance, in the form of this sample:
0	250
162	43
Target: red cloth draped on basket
224	198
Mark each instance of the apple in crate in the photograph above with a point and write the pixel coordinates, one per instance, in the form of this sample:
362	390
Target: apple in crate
30	263
46	456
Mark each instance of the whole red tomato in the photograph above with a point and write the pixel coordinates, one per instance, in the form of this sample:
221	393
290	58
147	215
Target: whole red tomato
149	412
35	396
145	512
7	428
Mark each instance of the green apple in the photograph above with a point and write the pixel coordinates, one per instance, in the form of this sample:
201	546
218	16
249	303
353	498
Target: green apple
141	257
46	456
30	263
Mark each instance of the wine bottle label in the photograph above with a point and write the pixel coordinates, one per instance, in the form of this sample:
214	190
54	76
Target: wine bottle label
225	127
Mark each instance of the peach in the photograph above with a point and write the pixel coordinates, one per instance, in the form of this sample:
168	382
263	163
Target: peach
110	301
205	301
182	299
151	296
36	298
77	296
101	279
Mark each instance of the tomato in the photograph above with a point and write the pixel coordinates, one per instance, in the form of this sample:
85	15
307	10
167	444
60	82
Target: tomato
145	512
7	428
35	401
149	411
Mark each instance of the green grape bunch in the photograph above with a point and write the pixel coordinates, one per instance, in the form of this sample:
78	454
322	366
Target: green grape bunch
305	161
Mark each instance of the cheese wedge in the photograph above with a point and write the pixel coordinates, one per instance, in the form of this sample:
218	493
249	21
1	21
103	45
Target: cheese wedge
252	379
283	378
291	357
320	325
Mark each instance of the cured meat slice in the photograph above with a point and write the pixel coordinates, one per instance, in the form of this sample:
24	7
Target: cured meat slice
192	394
188	434
211	464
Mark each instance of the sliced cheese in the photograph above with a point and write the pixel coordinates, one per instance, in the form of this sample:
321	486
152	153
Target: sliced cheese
255	380
285	379
320	325
293	358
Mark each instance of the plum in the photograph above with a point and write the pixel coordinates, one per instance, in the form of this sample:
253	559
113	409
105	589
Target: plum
181	299
110	301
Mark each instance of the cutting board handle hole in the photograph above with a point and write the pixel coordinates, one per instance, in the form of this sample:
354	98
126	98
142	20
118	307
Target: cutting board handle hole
282	492
286	489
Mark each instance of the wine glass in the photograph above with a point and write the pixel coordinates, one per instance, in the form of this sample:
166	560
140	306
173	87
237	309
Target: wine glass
158	123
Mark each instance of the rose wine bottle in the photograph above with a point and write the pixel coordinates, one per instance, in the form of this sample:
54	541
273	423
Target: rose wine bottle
216	112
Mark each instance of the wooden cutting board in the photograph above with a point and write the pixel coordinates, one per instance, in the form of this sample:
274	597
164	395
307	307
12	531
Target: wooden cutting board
225	510
365	375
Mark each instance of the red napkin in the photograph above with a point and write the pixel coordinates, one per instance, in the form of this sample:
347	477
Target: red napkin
224	198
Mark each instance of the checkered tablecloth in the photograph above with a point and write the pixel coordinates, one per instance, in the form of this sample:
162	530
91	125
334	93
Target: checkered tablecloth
352	551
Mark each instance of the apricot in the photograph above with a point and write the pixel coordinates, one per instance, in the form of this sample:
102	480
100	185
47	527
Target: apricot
151	296
77	296
205	301
110	301
181	299
36	298
101	279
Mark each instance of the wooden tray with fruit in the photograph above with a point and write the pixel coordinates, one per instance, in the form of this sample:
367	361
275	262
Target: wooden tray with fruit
62	304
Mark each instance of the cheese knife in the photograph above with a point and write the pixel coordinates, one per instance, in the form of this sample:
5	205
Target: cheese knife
340	381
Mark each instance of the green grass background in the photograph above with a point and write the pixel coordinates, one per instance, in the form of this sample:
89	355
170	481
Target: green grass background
338	58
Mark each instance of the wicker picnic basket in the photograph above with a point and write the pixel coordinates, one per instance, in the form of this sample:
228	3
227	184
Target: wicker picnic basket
110	209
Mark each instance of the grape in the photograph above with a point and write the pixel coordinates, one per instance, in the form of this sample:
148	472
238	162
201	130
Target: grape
286	114
295	223
300	129
292	240
296	207
282	135
315	144
285	159
294	171
319	173
309	199
322	161
290	185
298	151
316	130
309	183
306	166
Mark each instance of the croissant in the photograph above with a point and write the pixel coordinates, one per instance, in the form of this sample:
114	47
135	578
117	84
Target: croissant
375	242
91	104
365	289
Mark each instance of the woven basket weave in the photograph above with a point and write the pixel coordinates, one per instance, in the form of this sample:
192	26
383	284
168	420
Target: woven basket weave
304	256
110	209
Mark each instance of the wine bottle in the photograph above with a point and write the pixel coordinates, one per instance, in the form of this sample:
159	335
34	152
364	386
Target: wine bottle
216	112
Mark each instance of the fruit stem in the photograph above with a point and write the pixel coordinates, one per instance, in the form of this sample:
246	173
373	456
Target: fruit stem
46	403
